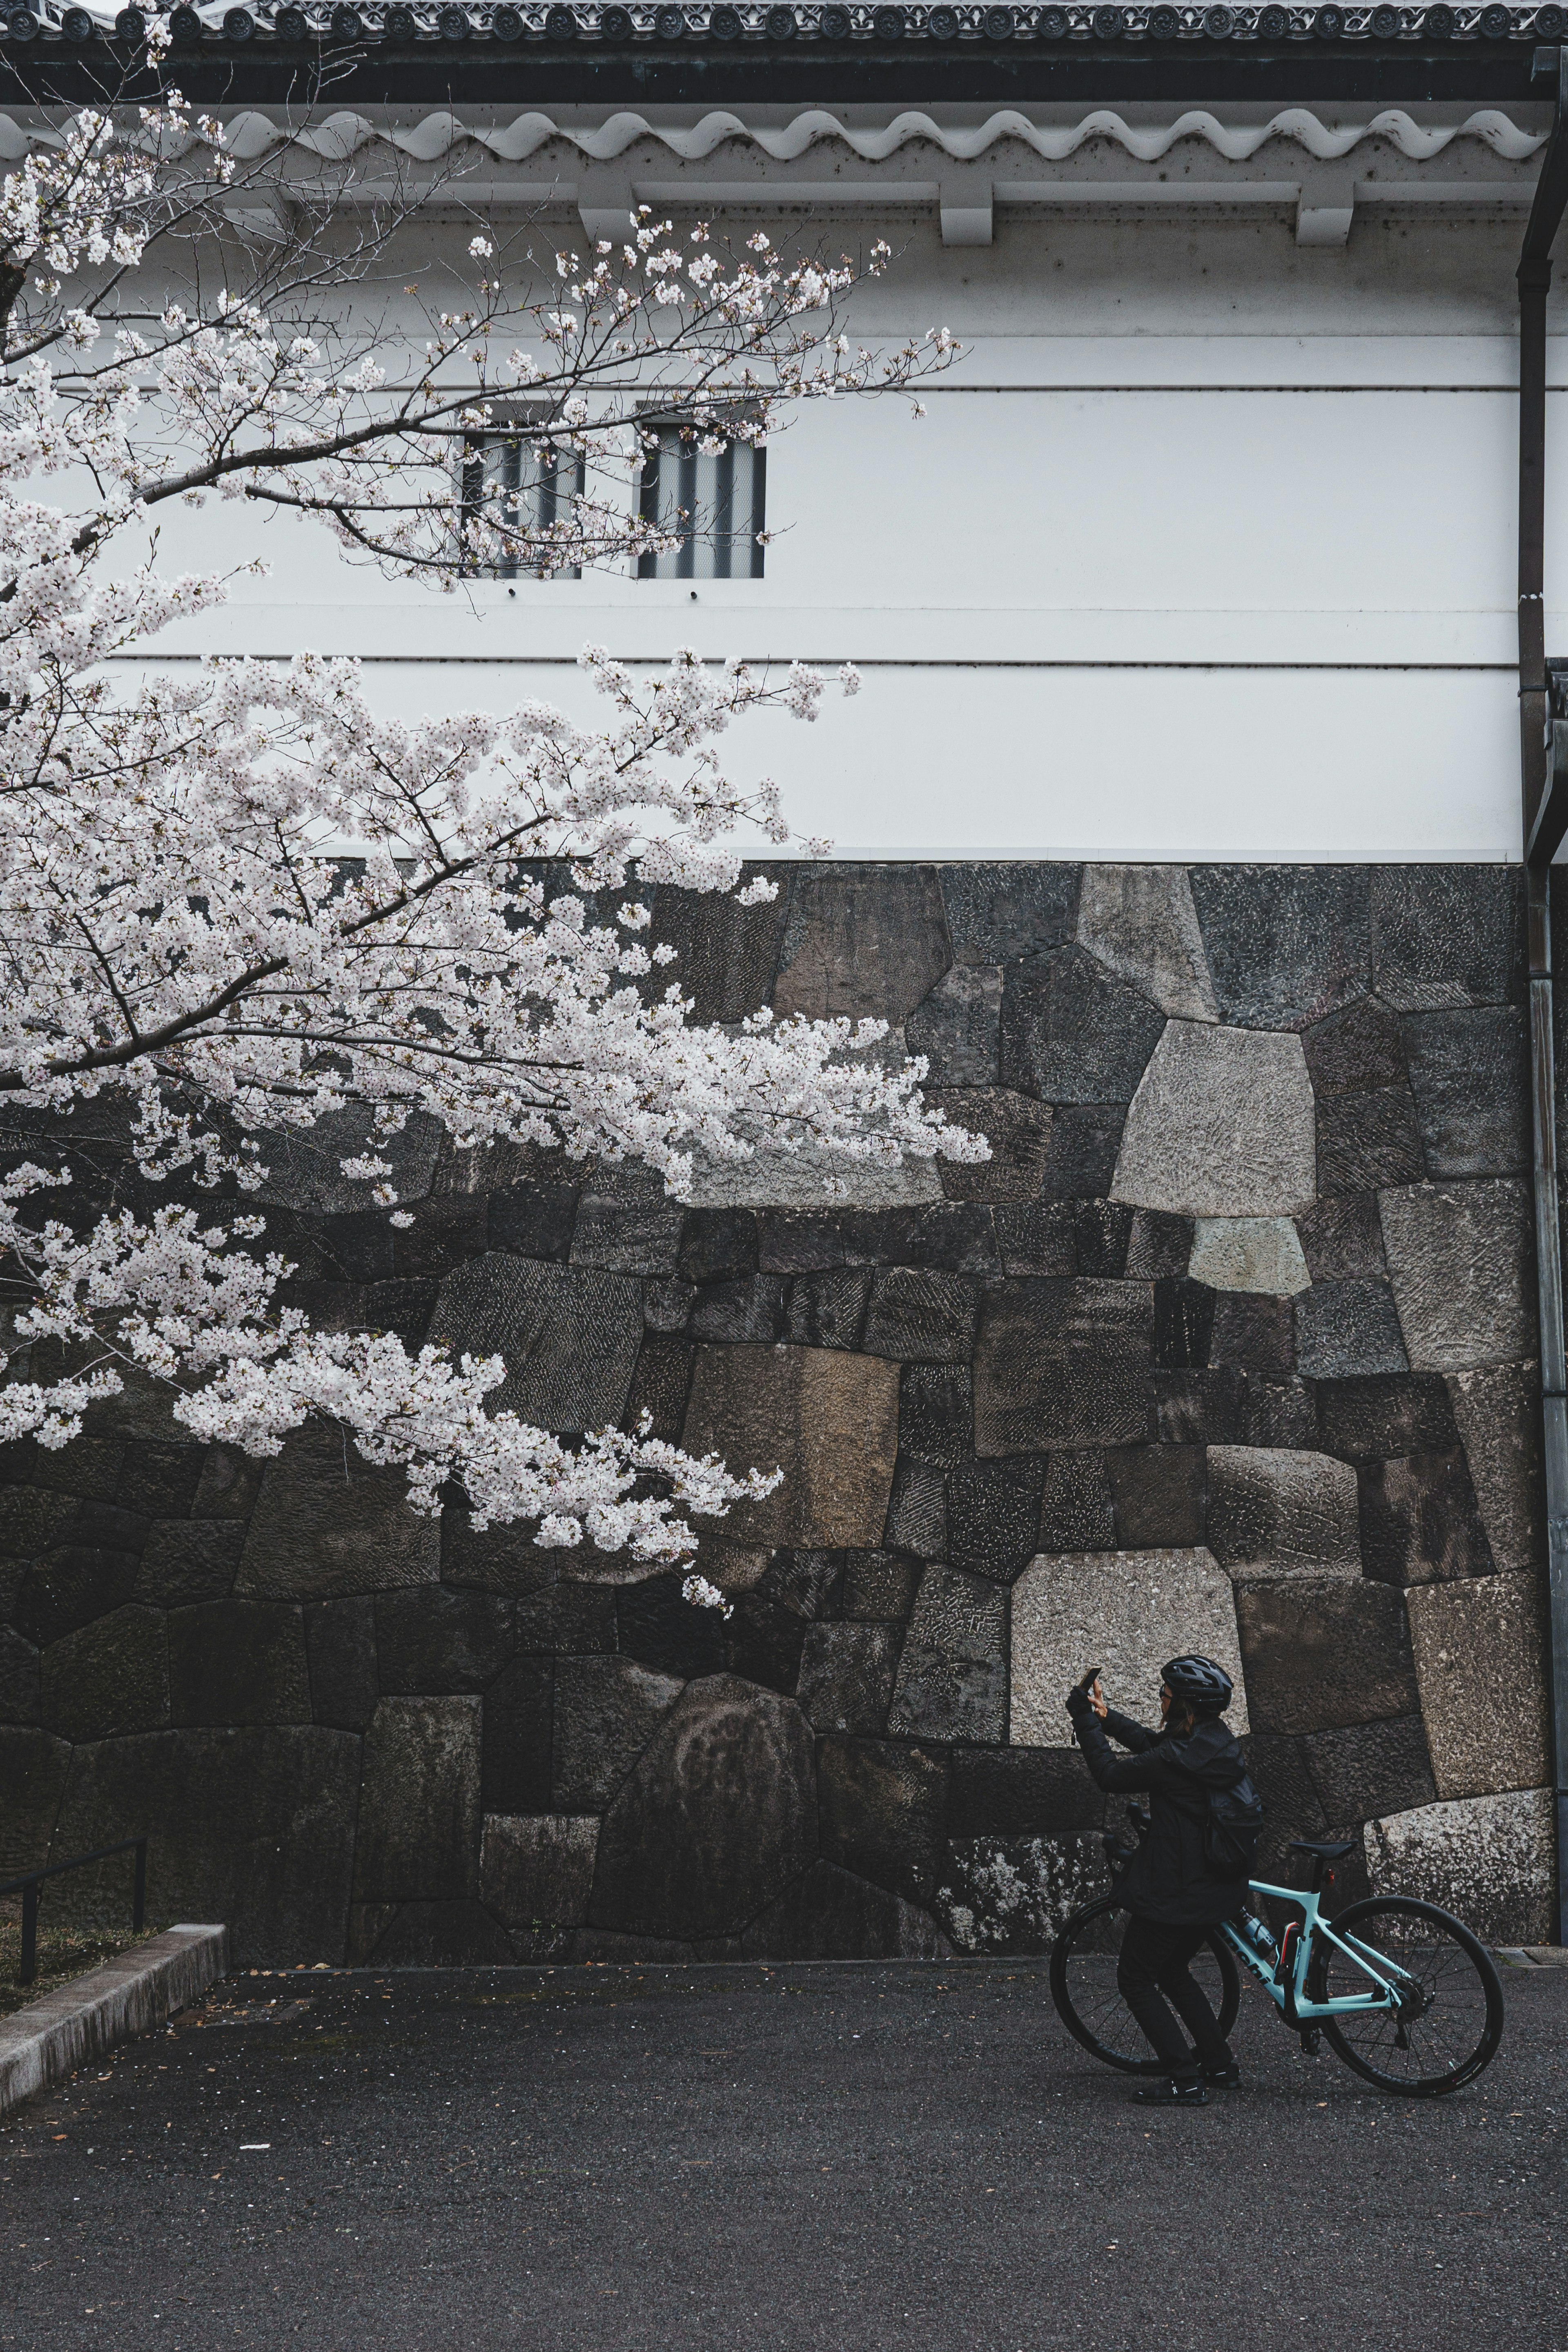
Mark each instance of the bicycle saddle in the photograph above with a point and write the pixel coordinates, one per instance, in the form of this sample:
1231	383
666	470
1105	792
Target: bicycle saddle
1326	1850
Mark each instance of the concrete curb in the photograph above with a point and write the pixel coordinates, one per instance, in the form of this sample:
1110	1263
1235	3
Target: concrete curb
52	2037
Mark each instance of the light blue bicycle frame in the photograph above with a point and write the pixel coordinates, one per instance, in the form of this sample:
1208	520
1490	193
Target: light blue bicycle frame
1291	1997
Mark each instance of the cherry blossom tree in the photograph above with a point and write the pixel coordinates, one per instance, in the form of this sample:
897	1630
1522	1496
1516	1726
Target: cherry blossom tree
241	900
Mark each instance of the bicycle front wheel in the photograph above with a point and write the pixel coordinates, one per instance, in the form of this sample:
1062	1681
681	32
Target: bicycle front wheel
1083	1987
1449	2020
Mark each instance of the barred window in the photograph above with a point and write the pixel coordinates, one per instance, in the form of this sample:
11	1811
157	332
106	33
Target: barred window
518	488
713	500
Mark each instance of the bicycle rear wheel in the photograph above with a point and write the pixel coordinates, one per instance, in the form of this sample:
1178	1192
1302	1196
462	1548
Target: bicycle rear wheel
1083	1987
1448	2026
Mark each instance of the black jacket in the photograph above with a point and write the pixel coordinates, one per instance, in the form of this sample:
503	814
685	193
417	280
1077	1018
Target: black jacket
1169	1878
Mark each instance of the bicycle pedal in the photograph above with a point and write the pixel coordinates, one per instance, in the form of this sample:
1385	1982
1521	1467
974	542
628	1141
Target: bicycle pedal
1401	2037
1312	2040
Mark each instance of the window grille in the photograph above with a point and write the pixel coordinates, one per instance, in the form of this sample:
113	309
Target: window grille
519	486
713	500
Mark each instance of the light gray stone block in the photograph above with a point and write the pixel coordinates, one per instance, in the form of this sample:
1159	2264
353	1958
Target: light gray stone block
1457	1259
570	1336
952	1676
1140	922
1489	1860
1277	1511
958	1028
1260	1254
325	1522
810	1179
828	1418
537	1869
1498	1412
1222	1125
1126	1611
1480	1667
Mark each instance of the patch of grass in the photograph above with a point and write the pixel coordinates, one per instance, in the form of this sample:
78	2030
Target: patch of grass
63	1953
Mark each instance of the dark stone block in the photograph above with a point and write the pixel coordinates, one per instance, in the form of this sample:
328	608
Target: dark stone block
999	912
534	1220
187	1560
956	1237
827	1310
442	1639
1017	1129
660	1386
502	1559
1012	1792
764	1642
798	1240
862	941
21	1693
1292	1805
1419	1523
1322	1652
749	1310
72	1584
1184	1324
1355	1051
459	1934
159	1482
518	1734
628	1236
87	1469
727	954
1342	1239
952	1679
229	1485
718	1245
1160	1495
1409	1414
923	1318
1081	1162
658	1626
1469	1073
1371	1769
255	1827
446	1232
935	1414
1286	944
1256	1334
606	1711
1061	1362
993	1516
1103	1230
1158	1246
357	1247
877	1584
238	1662
578	1620
1446	935
958	1028
327	1522
1229	1407
809	1582
569	1335
1077	1512
1346	1329
33	1768
829	1914
917	1510
404	1308
667	1305
883	1808
1367	1141
418	1837
340	1648
1037	1237
32	1518
1072	1034
846	1676
716	1820
1276	1412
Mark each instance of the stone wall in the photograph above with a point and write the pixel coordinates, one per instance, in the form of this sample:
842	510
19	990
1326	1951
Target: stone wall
1230	1345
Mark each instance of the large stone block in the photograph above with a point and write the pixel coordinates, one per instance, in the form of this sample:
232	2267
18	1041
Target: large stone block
1072	1034
1013	1792
828	1418
1368	1140
534	1220
936	1414
536	1870
340	1645
1419	1523
91	1570
1077	1509
1161	1496
1365	1418
1014	1897
1017	1129
958	1028
997	913
1341	1239
883	1808
108	1677
303	1164
238	1662
1139	921
917	1511
1499	1416
516	1761
1324	1651
1459	1258
327	1522
616	1236
1469	1073
725	953
826	1309
32	1519
862	941
33	1767
1286	944
993	1516
829	1915
1061	1363
1261	1254
1355	1051
1446	935
1081	1165
570	1336
1489	1860
418	1836
953	1677
1221	1125
606	1712
920	1317
846	1676
1348	1331
187	1560
255	1827
441	1640
1257	1335
21	1693
719	1815
1126	1612
1370	1767
1480	1662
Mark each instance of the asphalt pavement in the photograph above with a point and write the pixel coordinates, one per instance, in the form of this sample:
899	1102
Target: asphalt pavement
827	2159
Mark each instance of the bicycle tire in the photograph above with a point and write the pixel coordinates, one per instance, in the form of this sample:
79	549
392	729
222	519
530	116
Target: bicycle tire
1462	1991
1068	1949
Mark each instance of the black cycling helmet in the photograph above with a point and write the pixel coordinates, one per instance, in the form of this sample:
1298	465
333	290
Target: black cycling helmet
1205	1686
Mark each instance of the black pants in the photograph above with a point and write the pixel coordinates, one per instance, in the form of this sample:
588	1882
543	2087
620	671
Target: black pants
1154	1962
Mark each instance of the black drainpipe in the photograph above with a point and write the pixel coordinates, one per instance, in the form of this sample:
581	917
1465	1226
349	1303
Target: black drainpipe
1543	763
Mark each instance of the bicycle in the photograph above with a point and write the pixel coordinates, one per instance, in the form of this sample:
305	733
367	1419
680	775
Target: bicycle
1422	2018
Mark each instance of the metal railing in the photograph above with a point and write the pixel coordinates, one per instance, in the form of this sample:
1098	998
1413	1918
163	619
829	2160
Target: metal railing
28	1884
